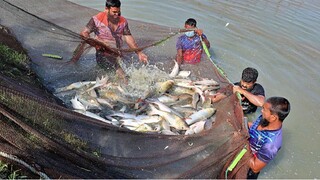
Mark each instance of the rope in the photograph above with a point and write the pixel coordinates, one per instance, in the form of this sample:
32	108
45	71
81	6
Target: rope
221	72
11	157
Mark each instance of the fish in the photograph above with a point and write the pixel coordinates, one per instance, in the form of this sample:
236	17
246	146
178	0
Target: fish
200	115
162	87
163	107
195	100
174	120
89	102
207	82
140	128
209	122
99	82
75	85
158	89
175	70
176	90
207	87
196	128
167	98
76	104
185	111
114	97
94	116
168	132
184	74
105	102
183	99
201	94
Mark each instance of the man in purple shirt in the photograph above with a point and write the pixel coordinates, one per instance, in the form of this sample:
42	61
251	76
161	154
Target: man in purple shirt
266	134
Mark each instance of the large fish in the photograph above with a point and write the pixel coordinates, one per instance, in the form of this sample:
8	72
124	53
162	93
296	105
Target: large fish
158	89
99	82
105	102
184	74
163	107
89	102
175	70
176	90
75	85
200	115
76	104
93	115
162	87
196	128
174	120
207	82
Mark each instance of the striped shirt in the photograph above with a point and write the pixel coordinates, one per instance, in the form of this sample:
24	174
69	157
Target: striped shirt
99	24
265	144
191	48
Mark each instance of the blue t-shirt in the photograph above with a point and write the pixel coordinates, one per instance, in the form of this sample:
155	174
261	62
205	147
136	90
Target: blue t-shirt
264	144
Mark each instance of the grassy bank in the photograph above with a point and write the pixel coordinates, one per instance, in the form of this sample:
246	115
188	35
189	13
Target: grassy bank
14	63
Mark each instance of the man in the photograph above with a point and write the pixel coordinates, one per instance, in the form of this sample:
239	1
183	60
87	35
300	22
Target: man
252	93
189	46
109	27
266	134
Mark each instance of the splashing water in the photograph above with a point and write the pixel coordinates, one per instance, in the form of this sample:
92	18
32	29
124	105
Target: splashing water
141	79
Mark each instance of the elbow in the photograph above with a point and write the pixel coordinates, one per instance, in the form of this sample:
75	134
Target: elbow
261	101
208	45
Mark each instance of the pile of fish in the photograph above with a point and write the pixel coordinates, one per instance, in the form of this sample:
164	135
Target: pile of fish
173	106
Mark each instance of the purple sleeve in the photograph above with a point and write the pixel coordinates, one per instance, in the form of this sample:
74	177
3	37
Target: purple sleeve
179	44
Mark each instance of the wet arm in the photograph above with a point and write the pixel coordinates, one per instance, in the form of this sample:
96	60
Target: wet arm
85	33
133	45
206	41
179	56
257	100
256	165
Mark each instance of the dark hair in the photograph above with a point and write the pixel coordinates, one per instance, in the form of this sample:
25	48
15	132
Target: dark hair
279	106
113	3
191	22
249	75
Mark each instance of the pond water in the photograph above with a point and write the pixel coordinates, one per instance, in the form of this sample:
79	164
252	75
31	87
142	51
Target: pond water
279	38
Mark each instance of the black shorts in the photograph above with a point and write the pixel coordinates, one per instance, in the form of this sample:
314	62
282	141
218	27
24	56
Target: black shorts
107	61
252	175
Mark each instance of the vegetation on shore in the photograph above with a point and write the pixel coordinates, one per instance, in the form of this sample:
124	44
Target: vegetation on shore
15	65
9	172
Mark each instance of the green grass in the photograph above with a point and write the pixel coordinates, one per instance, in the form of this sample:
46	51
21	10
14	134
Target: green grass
14	65
9	172
9	56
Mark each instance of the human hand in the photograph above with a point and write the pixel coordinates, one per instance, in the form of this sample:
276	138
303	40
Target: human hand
142	57
199	32
217	97
237	89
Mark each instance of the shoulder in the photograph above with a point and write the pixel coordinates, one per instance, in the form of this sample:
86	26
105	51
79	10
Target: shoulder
270	149
123	20
258	89
100	15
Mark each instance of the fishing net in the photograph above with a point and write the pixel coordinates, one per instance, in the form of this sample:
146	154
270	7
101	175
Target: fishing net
43	132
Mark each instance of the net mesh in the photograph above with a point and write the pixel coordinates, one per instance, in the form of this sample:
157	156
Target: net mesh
65	144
